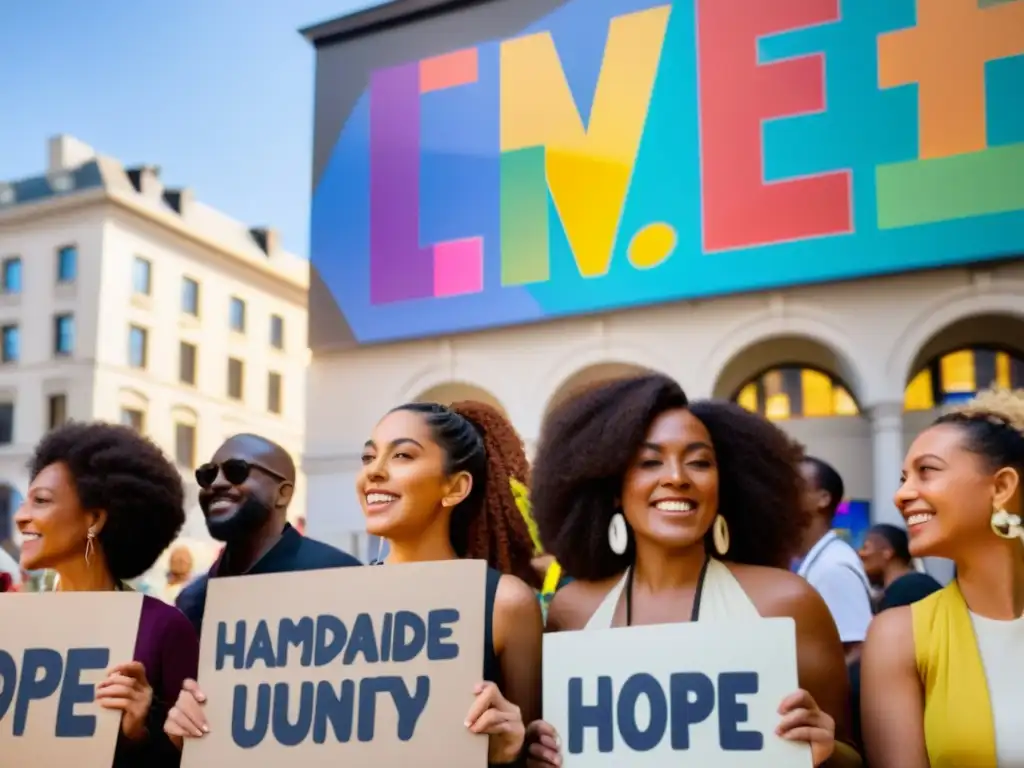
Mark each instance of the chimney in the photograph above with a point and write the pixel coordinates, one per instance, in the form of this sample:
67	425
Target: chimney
266	239
178	199
68	153
146	180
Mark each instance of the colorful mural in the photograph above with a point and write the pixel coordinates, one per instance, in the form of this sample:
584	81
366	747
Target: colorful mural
624	152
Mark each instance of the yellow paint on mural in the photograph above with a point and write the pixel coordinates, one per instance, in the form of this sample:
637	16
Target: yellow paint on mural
652	245
588	167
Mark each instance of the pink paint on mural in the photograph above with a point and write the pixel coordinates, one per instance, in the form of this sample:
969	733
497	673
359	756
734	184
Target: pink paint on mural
459	267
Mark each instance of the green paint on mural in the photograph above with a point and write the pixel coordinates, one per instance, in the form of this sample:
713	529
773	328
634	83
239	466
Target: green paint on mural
929	191
989	3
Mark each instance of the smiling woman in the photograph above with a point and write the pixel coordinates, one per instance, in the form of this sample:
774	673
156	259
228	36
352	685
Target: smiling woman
435	484
699	506
103	504
940	679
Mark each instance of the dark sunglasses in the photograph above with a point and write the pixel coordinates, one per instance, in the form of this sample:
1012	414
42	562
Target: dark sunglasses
236	472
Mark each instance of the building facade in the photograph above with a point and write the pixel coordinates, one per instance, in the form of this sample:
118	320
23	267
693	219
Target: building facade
802	212
126	301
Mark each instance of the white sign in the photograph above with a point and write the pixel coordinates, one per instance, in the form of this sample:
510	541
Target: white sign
650	696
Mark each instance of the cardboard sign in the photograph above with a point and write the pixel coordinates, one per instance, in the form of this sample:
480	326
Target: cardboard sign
704	693
54	649
347	666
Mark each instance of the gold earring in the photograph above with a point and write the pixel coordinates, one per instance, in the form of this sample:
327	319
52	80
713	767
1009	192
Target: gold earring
1005	525
720	536
90	543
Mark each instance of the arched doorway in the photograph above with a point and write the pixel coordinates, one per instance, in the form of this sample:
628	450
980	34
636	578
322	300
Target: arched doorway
453	391
591	376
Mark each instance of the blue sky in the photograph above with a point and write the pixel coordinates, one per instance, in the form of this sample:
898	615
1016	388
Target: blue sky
219	93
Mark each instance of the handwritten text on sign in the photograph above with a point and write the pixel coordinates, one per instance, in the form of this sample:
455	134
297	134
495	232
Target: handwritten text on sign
352	663
643	695
52	655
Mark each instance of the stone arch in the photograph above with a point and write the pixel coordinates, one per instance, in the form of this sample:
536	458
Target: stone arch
772	352
971	314
449	392
592	375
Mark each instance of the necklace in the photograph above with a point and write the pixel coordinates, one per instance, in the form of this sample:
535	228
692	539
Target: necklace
694	612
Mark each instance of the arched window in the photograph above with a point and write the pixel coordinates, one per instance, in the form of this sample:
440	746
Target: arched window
956	376
796	392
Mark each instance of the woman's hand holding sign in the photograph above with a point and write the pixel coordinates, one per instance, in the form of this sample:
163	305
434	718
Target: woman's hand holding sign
501	720
803	720
186	720
544	746
127	689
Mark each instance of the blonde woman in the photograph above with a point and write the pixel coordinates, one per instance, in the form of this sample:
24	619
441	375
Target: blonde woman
940	679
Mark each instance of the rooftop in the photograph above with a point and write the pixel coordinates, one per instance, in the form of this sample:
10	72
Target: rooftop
75	168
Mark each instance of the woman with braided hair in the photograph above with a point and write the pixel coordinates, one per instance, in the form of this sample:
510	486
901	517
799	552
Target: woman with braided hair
437	483
940	679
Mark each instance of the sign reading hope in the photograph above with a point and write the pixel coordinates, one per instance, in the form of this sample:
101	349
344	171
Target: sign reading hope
643	695
351	664
52	654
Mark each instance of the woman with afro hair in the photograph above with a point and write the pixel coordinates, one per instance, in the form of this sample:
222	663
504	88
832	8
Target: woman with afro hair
669	512
102	504
437	484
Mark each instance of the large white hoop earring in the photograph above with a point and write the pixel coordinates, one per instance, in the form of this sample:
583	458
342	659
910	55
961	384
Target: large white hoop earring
618	534
720	536
90	544
1006	525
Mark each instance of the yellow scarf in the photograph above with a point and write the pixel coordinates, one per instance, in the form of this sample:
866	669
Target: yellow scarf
958	724
522	497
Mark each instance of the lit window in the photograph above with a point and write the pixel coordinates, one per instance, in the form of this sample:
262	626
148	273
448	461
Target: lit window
958	375
794	392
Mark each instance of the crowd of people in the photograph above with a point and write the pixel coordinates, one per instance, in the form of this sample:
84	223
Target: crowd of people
640	507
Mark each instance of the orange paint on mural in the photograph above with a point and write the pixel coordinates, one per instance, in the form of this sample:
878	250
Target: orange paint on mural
449	70
945	55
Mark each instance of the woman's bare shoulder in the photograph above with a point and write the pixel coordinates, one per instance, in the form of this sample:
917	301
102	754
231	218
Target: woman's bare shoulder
574	604
777	592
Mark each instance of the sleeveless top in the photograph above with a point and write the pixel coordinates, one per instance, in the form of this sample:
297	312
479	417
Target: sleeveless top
719	597
971	670
492	666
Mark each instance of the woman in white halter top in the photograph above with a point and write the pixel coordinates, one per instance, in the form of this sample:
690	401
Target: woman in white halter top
664	512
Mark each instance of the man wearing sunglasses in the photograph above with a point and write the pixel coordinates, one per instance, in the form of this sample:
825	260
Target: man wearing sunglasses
244	492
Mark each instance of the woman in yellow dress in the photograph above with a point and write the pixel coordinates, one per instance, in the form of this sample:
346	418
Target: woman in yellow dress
940	679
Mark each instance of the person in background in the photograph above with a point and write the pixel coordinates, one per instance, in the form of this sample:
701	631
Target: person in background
244	492
666	511
10	569
179	571
437	484
889	566
941	679
828	563
103	504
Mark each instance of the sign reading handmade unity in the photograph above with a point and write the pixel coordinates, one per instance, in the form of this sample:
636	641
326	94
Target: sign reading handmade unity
347	666
53	653
650	696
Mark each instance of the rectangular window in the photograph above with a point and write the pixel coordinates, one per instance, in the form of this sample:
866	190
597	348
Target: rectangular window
236	315
57	411
138	347
67	264
11	344
6	423
142	276
274	392
63	335
187	363
236	372
277	332
189	297
185	445
134	418
10	280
